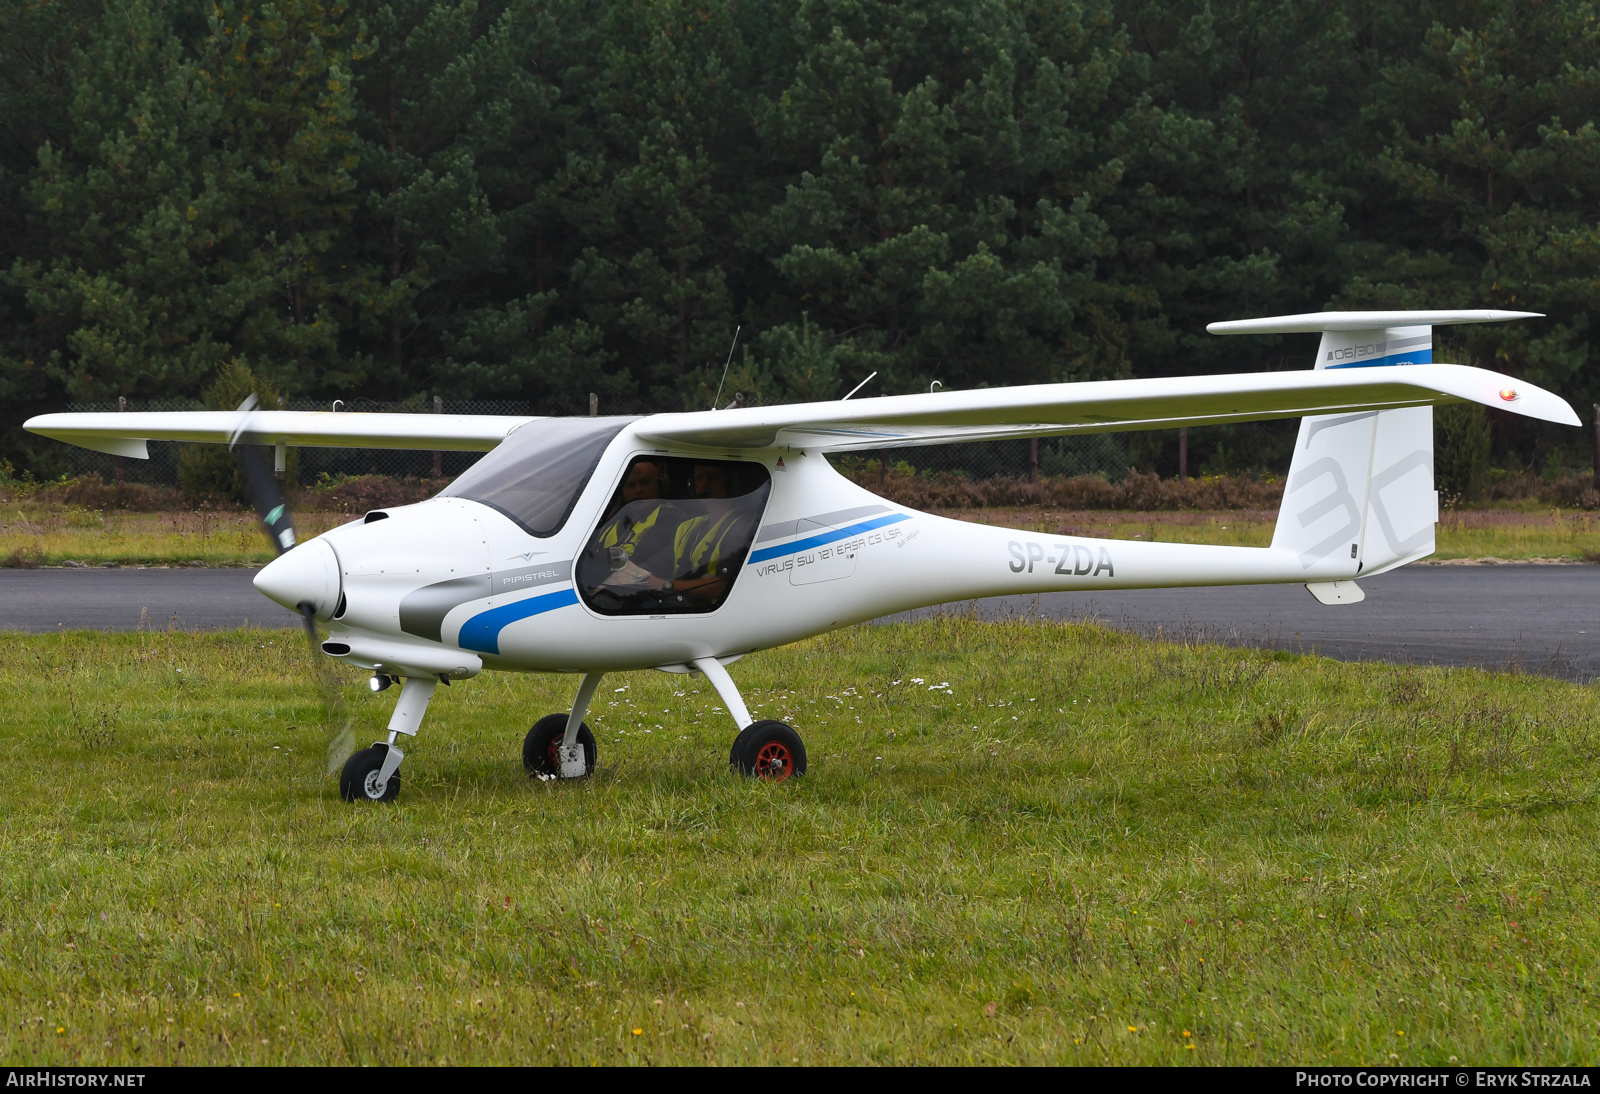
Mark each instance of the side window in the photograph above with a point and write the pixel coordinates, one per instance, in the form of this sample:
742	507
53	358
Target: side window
674	536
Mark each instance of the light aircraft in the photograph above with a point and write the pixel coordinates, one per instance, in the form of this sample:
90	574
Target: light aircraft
682	542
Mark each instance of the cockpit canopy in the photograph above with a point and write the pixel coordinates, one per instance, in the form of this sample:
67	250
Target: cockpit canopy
536	474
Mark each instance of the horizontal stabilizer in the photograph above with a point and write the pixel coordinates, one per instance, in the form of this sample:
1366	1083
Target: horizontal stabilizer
1317	321
1362	339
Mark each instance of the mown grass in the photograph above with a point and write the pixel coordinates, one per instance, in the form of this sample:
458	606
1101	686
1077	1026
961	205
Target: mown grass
1019	842
53	537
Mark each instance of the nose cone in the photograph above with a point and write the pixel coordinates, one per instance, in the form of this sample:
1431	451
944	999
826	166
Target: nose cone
307	573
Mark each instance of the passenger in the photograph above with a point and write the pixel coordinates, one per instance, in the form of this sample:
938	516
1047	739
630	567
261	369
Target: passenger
705	547
642	532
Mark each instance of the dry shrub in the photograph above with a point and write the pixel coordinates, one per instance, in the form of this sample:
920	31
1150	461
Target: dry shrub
23	558
1568	492
1405	687
361	493
92	492
1140	490
1572	492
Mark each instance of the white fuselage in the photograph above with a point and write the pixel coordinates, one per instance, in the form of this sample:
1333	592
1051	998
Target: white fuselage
448	586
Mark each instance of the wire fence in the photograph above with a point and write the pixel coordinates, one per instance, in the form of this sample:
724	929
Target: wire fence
1102	454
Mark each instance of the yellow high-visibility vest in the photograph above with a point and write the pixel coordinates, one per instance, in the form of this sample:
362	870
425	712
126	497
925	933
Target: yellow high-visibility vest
621	533
702	543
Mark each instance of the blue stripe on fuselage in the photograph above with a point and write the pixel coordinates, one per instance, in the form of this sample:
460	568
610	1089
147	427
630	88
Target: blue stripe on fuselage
1414	357
482	631
826	537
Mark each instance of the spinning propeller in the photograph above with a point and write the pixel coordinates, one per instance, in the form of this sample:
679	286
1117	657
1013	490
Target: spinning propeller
266	493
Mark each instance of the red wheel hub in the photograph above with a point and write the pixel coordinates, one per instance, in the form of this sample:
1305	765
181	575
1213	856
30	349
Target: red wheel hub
774	761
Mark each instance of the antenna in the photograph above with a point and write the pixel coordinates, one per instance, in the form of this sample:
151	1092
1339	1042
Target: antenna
861	385
725	365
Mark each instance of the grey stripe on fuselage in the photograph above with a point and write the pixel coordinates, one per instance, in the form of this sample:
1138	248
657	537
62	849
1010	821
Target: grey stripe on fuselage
825	520
422	611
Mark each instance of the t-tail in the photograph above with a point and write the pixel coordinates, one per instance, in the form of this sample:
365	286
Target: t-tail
1361	485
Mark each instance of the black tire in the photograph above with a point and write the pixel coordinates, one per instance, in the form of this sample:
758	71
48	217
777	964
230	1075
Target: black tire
360	769
768	750
541	746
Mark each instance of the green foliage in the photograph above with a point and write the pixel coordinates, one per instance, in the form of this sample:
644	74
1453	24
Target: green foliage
1461	443
209	470
537	199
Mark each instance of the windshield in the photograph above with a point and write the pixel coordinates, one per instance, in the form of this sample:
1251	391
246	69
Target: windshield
536	474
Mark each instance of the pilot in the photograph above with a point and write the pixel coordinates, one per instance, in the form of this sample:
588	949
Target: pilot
706	546
641	531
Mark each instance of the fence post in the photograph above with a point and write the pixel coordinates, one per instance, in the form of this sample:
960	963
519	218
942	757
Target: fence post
1597	446
1033	459
594	405
438	457
1183	453
116	461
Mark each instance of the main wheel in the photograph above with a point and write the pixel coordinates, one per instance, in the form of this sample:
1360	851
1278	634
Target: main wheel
359	779
768	750
541	748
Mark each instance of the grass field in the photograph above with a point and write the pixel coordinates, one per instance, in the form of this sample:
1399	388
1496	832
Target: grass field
1017	842
51	537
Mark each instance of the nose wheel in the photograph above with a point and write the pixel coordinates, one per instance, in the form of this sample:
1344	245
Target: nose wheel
768	750
364	777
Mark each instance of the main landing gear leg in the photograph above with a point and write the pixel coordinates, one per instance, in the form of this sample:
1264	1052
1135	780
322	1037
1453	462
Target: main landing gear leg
574	761
560	746
373	773
765	750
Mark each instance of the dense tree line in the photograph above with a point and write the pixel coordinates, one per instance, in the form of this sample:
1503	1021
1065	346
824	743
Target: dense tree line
537	199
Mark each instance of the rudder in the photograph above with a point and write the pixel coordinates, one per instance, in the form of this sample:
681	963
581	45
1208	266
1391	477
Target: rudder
1359	497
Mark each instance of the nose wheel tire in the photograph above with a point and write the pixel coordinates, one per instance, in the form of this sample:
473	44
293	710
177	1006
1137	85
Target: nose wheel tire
359	779
768	750
541	748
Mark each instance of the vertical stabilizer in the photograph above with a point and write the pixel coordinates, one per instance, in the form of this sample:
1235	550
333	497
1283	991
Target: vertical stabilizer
1359	497
1379	346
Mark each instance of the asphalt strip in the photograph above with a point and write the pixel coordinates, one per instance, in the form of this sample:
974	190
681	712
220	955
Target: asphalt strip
1534	618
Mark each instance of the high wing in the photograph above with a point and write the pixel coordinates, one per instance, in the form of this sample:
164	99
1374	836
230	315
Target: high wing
1099	407
125	434
887	422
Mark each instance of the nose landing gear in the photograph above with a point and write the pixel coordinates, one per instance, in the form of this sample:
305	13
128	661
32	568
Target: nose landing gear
364	778
373	773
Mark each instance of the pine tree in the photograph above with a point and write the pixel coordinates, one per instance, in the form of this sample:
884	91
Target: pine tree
1494	158
946	164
